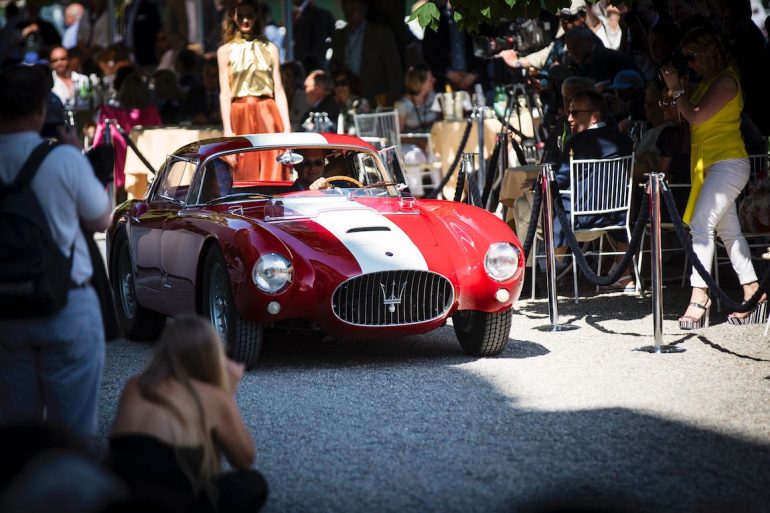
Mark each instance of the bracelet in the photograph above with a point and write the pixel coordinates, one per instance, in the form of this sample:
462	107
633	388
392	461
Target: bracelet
676	94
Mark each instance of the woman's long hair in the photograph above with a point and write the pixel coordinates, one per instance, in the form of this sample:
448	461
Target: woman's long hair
230	29
189	349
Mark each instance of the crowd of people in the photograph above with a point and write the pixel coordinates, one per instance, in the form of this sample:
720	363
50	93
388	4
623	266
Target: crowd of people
675	82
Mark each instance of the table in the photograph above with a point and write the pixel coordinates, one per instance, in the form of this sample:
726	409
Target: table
156	144
446	137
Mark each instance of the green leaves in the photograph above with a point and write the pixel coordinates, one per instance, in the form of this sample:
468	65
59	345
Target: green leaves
470	14
427	15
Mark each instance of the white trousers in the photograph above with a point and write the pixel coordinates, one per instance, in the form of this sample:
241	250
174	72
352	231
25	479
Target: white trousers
715	212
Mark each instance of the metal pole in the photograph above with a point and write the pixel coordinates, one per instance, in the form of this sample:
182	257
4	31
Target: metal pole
288	21
479	111
546	176
657	269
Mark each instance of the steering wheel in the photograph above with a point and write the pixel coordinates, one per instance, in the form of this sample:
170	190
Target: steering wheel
343	178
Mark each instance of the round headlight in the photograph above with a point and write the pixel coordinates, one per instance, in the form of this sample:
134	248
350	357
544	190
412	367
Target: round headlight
501	261
272	273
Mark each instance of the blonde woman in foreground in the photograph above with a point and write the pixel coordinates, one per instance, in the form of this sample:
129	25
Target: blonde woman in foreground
177	419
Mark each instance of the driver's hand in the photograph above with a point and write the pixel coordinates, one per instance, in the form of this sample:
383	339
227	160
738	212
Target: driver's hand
319	184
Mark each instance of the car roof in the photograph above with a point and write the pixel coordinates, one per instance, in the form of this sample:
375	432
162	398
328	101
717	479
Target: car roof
207	147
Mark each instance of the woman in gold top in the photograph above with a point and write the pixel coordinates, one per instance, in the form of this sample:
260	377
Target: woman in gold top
251	93
719	169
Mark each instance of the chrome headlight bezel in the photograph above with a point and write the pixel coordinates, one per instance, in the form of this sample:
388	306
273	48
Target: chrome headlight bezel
272	273
501	261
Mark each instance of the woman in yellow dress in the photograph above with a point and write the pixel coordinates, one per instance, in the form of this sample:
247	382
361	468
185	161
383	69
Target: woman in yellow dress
251	95
719	168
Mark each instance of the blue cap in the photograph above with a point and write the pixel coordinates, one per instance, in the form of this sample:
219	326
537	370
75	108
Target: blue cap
627	79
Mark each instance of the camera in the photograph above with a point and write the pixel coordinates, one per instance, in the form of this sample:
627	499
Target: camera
522	35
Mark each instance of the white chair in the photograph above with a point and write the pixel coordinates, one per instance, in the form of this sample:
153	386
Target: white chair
422	167
383	125
598	187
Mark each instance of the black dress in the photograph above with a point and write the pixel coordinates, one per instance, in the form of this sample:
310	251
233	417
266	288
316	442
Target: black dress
153	471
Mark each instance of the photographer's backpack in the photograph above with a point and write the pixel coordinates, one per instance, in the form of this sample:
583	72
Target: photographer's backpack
34	273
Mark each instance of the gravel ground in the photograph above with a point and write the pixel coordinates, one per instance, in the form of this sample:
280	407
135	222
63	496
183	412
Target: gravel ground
413	424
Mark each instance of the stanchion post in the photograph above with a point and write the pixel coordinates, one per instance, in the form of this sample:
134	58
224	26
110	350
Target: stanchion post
656	264
479	114
546	176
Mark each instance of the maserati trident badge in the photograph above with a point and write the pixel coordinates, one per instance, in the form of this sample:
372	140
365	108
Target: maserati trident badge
392	300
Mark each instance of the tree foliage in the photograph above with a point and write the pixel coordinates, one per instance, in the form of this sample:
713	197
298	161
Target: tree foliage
470	14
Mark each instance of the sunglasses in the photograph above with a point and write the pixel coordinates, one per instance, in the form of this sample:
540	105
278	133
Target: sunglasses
691	56
308	163
575	112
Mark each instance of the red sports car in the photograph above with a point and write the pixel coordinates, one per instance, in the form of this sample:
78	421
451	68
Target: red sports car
353	255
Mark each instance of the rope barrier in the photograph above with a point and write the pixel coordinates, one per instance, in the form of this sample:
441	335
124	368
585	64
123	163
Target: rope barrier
473	189
746	306
461	176
577	254
537	200
491	172
461	148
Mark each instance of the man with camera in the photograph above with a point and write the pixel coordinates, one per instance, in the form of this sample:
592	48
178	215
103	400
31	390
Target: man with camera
556	52
51	332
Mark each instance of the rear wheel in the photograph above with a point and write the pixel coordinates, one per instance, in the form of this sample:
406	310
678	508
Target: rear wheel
136	322
482	333
242	338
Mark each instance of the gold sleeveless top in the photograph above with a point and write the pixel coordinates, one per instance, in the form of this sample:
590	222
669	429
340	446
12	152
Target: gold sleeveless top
717	138
251	68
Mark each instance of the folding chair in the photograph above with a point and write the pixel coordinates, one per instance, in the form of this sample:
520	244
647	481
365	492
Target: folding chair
598	186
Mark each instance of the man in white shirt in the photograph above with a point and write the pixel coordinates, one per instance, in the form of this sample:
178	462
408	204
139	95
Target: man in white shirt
51	366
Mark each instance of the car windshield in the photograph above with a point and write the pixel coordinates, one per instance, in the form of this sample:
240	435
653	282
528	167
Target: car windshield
320	172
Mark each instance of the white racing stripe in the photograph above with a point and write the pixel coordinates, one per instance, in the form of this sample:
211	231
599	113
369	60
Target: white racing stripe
374	248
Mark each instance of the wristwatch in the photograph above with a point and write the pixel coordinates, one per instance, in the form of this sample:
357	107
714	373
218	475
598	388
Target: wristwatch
677	94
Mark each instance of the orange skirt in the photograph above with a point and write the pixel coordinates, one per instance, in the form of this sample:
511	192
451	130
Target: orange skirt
257	115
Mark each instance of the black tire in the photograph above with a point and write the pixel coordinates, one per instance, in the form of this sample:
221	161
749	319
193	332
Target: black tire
242	338
136	322
482	333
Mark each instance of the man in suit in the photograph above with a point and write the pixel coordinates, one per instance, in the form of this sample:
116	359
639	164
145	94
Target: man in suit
369	50
592	139
313	27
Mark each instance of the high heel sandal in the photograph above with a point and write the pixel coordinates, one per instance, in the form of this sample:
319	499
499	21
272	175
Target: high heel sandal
687	322
757	316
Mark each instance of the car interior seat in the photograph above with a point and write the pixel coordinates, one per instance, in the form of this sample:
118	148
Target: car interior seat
217	180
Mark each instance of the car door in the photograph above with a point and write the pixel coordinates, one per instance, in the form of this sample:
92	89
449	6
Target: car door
181	243
165	201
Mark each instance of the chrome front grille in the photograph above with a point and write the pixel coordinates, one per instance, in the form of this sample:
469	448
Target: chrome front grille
390	298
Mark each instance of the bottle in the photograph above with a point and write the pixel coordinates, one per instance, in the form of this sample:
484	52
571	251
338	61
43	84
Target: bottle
501	101
448	104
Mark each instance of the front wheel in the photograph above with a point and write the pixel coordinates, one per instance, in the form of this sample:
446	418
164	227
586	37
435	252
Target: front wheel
136	322
482	333
242	338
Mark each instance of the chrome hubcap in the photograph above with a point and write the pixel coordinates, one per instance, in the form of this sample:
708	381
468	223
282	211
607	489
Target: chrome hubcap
218	307
127	297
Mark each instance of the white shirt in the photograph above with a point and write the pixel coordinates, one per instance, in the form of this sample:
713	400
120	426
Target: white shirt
68	96
67	190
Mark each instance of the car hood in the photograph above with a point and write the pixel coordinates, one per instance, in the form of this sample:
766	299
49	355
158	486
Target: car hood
380	235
